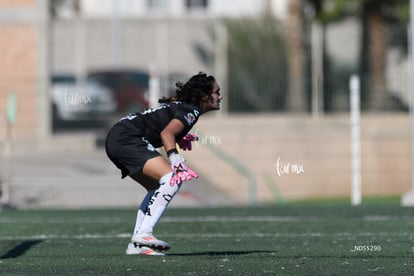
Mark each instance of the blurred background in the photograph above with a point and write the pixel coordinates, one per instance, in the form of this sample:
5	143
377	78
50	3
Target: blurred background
71	68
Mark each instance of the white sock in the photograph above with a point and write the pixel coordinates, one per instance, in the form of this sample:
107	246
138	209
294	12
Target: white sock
142	209
158	203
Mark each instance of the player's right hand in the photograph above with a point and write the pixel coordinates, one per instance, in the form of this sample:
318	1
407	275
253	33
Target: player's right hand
185	143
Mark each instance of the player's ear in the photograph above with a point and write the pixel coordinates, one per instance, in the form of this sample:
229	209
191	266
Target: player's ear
205	98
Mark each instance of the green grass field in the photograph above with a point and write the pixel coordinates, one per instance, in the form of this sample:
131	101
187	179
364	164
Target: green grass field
293	239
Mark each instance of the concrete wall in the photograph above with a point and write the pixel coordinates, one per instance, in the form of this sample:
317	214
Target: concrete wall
317	151
67	171
171	45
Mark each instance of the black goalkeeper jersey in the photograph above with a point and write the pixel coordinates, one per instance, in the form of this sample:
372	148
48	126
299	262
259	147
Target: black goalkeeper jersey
151	122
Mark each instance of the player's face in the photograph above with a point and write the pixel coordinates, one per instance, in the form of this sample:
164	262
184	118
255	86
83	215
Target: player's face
214	99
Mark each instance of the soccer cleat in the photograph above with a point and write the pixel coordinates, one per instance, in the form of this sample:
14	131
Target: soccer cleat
147	239
132	249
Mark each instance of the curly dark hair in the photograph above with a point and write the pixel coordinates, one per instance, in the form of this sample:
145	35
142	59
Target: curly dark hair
196	90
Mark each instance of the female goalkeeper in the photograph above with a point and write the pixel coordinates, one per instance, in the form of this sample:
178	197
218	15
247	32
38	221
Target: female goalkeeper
131	145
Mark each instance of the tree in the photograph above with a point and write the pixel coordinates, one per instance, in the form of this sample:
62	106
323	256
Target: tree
257	62
374	16
296	100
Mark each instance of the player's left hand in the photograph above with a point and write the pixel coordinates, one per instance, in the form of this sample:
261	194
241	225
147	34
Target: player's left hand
180	171
180	175
185	143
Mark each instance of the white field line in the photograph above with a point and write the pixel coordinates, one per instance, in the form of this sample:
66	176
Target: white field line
236	236
238	219
206	219
210	219
169	219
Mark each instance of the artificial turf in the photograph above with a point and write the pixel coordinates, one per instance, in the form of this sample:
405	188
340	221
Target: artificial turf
293	239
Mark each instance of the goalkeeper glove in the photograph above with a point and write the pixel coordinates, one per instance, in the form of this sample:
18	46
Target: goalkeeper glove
180	171
185	143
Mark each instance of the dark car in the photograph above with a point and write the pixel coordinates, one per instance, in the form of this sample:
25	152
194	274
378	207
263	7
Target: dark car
130	87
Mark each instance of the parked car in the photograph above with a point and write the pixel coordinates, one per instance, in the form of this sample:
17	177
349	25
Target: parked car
80	101
63	78
129	87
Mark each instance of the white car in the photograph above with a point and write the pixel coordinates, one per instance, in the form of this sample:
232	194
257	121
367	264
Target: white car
82	101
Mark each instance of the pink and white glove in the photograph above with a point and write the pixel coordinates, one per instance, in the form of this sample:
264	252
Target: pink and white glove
185	143
180	171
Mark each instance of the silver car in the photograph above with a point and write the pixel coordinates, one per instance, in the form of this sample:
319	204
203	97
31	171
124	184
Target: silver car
82	101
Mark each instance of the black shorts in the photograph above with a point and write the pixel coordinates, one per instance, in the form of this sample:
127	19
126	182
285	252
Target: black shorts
129	151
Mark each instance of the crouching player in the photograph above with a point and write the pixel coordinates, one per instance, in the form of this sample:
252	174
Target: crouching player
131	145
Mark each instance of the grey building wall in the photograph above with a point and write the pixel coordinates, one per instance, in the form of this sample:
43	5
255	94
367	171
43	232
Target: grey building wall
169	45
